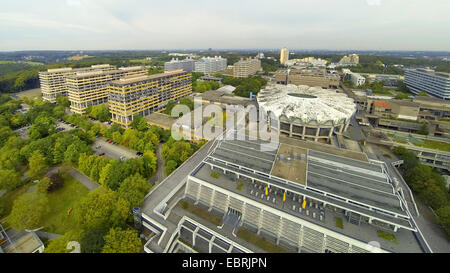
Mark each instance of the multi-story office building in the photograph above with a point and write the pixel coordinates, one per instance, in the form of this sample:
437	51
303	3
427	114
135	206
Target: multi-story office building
310	77
210	64
246	67
436	84
53	81
284	55
187	65
144	95
352	59
298	196
91	88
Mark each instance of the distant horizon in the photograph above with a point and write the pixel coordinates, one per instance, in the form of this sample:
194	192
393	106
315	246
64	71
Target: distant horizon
362	25
187	50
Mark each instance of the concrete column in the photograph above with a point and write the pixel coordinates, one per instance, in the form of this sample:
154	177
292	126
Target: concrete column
211	242
331	132
290	129
317	134
194	234
304	131
211	201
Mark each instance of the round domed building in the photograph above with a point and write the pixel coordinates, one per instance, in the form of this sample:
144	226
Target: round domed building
304	112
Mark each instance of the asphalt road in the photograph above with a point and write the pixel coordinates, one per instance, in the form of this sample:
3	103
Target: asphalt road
112	151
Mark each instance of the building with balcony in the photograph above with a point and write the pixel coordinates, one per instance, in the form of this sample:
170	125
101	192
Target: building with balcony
53	81
436	84
91	88
210	64
246	67
146	94
187	65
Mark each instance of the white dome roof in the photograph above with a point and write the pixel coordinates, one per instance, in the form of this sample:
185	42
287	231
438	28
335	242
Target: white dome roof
307	104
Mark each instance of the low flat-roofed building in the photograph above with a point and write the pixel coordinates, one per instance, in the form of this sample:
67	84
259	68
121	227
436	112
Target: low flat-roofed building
311	77
295	197
21	242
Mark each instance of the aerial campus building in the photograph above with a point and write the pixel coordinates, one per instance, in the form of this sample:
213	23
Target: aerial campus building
146	94
210	64
308	113
436	84
53	81
91	88
187	64
299	196
246	67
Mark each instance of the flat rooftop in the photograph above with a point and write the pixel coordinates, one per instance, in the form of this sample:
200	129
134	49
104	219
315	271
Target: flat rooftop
364	232
125	81
350	180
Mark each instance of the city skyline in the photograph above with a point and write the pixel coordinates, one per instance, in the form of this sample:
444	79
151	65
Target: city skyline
119	25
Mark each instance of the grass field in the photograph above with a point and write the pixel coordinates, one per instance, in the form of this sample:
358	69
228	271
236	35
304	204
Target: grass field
7	200
430	144
141	61
387	236
259	241
200	212
13	62
339	223
60	201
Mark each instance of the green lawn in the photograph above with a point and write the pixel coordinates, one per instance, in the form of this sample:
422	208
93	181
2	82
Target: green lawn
434	145
206	215
57	220
339	223
239	187
387	236
7	200
214	175
259	241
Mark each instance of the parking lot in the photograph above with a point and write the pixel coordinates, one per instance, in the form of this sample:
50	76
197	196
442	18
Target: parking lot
113	151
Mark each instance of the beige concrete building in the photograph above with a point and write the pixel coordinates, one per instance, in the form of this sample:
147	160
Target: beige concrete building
246	67
147	94
53	81
91	88
284	55
352	59
310	77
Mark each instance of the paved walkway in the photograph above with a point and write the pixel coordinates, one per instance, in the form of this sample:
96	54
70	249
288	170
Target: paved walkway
47	235
160	174
86	181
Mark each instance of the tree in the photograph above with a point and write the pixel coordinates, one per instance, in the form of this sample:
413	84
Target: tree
444	218
150	163
122	241
133	189
423	94
139	123
75	149
42	126
93	240
171	165
59	245
36	164
62	100
9	179
401	96
435	196
423	130
101	207
28	210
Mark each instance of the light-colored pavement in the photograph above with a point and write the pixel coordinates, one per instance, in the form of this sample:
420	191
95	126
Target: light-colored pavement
47	235
112	151
86	181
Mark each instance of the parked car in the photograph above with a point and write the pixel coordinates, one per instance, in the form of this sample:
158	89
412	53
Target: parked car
102	154
122	158
113	143
139	154
107	140
98	147
110	141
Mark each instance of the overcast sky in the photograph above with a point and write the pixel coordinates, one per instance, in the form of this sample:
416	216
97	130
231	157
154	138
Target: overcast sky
231	24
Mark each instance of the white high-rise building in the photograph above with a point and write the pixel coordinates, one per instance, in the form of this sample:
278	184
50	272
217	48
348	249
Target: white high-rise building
436	84
210	64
